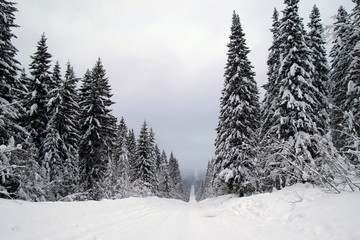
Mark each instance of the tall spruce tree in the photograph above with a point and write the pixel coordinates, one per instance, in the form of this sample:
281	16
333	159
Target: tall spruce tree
294	100
8	71
316	44
131	144
337	75
122	132
269	106
297	94
120	142
19	174
163	176
35	121
177	188
239	118
12	134
71	112
123	171
53	146
145	162
345	84
97	130
207	185
157	157
352	104
9	66
60	145
118	172
39	86
56	78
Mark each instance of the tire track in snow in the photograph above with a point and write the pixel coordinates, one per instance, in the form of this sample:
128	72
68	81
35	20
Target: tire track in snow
116	222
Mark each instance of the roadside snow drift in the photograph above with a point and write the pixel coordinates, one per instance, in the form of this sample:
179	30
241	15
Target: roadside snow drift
299	212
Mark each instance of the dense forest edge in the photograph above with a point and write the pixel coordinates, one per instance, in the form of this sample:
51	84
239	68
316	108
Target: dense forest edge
307	128
60	142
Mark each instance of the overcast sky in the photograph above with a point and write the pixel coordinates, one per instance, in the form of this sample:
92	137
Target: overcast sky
164	59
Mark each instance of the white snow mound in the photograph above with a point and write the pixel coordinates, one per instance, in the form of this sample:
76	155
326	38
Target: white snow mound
298	212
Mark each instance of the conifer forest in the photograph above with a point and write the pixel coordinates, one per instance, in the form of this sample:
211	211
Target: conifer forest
59	140
306	130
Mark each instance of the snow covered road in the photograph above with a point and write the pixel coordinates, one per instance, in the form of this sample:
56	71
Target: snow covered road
299	212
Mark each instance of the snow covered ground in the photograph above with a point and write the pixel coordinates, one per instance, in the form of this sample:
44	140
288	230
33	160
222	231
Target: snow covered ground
298	212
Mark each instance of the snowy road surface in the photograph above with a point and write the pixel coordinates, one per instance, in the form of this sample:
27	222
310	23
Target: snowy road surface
299	212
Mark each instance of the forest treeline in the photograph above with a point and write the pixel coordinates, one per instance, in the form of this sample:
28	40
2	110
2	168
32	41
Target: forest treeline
60	142
307	128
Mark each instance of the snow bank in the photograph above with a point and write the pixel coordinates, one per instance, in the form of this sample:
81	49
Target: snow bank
298	212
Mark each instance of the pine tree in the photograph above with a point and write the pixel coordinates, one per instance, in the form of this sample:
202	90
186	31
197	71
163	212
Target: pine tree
145	164
337	76
177	190
207	187
345	84
295	76
316	44
39	87
293	99
131	144
122	132
10	107
56	78
239	118
118	173
53	146
269	106
23	81
352	104
8	64
71	113
97	130
123	173
157	157
120	142
19	172
61	143
163	177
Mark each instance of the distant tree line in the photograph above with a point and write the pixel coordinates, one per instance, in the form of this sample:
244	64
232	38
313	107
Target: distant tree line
60	142
307	128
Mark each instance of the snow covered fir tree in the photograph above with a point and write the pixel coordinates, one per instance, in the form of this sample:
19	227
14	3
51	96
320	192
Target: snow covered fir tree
344	84
60	141
238	120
